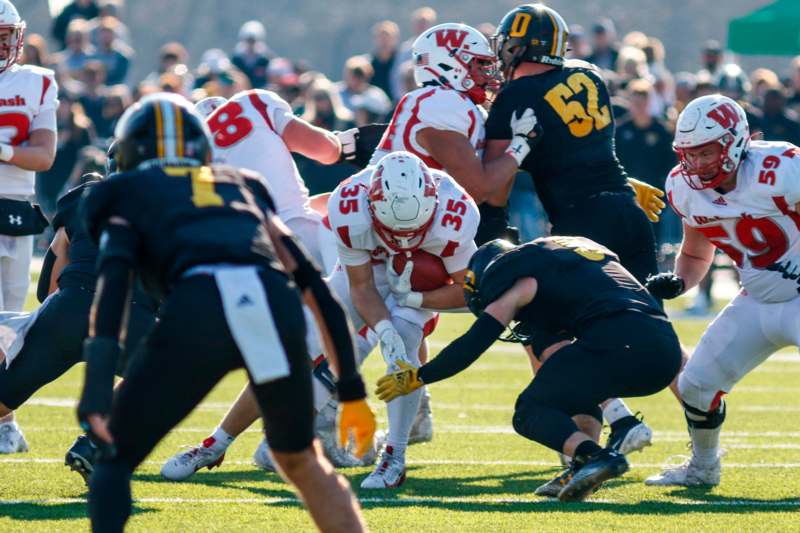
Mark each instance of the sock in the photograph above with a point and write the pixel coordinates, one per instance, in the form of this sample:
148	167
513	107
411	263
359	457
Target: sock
401	413
219	440
616	410
586	448
705	444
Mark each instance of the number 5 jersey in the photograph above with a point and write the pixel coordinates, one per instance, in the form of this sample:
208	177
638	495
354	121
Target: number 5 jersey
756	224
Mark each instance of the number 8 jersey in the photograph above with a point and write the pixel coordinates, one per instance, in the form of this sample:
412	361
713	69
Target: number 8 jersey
756	224
451	235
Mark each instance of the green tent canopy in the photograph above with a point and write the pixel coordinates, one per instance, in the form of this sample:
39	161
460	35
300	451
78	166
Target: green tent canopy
771	30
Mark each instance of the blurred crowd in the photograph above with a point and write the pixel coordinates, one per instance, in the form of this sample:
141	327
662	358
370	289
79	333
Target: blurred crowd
95	51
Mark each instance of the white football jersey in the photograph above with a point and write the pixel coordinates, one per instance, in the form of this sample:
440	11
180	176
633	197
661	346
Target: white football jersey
432	107
28	102
247	134
450	236
756	224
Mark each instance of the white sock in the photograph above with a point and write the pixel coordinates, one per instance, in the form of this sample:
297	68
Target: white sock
616	410
402	412
222	439
705	444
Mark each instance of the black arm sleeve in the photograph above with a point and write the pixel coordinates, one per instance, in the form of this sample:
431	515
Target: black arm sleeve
350	386
463	351
118	245
43	287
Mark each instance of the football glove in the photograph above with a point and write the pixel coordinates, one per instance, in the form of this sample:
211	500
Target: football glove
665	285
527	134
400	285
357	418
392	347
348	138
399	383
648	198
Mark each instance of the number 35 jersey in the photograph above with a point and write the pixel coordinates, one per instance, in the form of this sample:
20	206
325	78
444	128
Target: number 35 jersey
575	157
247	134
756	224
451	234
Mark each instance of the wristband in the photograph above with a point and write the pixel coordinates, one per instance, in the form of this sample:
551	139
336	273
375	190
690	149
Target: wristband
6	152
518	149
414	299
383	325
351	389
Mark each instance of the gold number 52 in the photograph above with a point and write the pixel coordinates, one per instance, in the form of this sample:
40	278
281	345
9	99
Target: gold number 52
580	120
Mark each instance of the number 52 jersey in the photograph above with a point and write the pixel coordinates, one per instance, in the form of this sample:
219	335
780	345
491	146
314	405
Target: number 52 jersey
756	224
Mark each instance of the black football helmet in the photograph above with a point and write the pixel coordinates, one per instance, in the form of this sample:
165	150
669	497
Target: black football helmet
530	32
164	129
478	264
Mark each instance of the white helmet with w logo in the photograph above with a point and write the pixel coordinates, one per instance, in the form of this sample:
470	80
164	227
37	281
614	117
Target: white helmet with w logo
444	54
712	119
402	200
10	44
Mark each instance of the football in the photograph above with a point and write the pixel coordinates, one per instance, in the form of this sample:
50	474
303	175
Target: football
429	272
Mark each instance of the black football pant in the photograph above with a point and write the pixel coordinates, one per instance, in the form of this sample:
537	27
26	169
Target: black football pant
614	220
53	344
623	355
188	352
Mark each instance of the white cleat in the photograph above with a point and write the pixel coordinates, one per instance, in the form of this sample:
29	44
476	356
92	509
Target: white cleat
263	458
183	465
11	438
422	428
389	473
687	474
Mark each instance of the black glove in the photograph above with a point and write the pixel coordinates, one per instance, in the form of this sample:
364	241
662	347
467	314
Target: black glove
665	285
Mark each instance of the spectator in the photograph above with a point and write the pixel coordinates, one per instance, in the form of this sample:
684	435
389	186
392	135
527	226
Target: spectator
631	64
732	82
604	53
109	8
217	75
74	132
71	60
357	75
422	19
252	54
578	47
685	86
93	93
644	146
112	52
324	107
116	101
173	58
487	29
79	9
712	58
761	80
35	51
778	122
386	39
636	39
794	91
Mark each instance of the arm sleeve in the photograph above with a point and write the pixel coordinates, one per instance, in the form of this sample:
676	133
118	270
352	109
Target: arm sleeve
460	259
463	351
280	112
43	286
45	118
792	185
118	245
498	125
352	257
439	112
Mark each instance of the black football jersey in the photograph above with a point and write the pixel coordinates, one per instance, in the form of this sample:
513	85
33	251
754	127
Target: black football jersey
575	157
80	271
578	281
186	216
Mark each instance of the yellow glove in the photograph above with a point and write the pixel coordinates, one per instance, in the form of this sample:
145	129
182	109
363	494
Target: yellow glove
399	383
356	416
648	198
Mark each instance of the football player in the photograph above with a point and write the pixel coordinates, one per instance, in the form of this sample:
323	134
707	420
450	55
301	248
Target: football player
27	146
398	207
601	333
741	197
206	241
256	129
578	177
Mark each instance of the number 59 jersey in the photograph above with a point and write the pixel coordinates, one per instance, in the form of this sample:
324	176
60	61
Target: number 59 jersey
450	236
247	134
756	224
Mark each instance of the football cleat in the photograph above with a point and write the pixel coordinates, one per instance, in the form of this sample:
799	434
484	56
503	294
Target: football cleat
553	487
601	466
422	428
690	473
630	436
183	465
11	438
389	473
263	458
81	457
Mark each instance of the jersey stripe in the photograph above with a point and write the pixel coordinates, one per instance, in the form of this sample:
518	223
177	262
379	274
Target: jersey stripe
261	107
46	82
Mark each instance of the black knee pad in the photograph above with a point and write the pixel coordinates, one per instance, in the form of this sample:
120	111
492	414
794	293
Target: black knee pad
702	420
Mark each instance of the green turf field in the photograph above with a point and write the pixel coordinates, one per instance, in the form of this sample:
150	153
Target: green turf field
477	474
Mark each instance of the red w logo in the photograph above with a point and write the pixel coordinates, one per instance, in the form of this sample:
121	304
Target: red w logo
450	38
725	115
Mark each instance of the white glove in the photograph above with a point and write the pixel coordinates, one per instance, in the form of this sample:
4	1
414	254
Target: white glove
400	285
348	139
392	347
521	128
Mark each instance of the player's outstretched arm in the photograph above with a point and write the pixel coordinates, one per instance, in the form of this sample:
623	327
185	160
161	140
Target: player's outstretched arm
313	142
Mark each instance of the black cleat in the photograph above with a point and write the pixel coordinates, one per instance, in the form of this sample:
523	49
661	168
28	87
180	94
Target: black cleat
553	487
81	457
601	466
